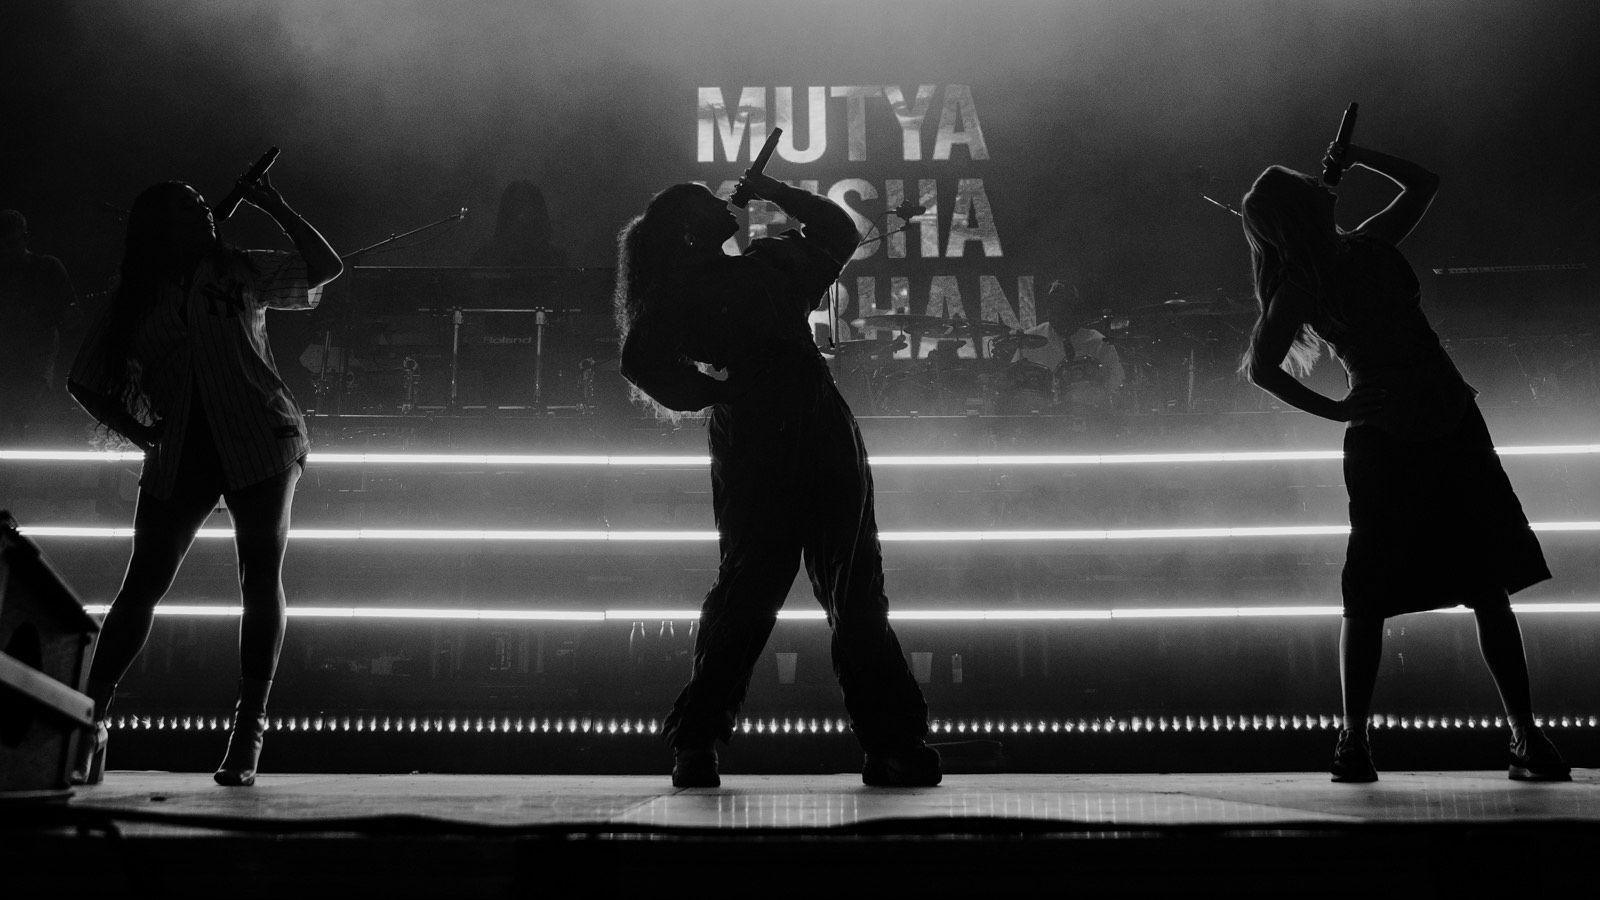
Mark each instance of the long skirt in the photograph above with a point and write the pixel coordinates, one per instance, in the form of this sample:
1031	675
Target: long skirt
1433	523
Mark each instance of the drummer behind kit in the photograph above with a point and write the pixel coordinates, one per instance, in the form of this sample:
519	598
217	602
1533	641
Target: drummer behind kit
1177	355
928	365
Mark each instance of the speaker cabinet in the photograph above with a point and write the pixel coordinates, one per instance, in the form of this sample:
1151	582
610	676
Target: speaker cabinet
45	639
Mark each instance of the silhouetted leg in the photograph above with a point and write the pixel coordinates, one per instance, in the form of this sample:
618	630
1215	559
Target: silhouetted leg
1500	639
1533	756
260	516
162	533
735	622
754	496
845	564
1360	650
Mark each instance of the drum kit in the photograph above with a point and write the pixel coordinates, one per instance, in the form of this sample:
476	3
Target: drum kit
1174	355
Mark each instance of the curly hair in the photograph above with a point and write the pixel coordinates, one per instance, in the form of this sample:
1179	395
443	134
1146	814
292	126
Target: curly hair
649	258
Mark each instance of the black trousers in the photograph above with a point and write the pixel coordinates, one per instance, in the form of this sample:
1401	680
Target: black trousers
791	485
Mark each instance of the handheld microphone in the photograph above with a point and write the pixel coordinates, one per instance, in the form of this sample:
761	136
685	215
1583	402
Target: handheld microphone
740	195
908	210
1331	171
224	209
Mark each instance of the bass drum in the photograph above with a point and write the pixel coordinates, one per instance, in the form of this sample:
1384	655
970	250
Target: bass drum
937	387
1080	385
1025	388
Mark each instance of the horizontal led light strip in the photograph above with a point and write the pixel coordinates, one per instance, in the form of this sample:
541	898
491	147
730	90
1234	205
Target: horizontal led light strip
492	724
692	461
888	537
816	615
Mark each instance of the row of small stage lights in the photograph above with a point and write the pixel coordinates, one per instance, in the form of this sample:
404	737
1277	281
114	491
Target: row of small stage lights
623	460
599	725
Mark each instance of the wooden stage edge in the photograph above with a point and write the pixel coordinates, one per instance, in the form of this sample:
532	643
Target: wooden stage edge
1412	833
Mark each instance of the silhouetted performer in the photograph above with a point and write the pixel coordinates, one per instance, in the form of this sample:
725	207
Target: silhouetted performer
36	299
1434	521
522	231
789	473
179	364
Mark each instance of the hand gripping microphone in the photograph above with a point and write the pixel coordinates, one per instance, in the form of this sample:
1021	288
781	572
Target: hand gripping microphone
1332	172
230	203
740	195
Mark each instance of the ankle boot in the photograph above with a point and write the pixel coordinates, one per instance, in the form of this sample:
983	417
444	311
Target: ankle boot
1352	758
249	730
91	767
1535	758
695	766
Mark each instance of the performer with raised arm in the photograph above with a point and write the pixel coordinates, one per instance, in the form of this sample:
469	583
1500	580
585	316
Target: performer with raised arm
179	364
789	473
1434	521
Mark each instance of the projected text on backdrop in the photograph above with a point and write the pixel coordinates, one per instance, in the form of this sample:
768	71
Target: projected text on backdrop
848	141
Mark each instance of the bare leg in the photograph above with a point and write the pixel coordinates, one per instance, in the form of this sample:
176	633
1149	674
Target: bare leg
1360	650
261	527
1500	639
162	533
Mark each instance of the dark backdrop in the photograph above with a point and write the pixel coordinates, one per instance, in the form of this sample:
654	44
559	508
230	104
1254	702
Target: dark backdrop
1104	120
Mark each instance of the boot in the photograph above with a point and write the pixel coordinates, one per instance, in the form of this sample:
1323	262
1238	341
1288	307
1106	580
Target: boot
913	764
1352	759
1534	758
238	767
695	766
91	767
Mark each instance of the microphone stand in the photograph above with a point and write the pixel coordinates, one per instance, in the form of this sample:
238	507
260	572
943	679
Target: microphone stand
1225	206
321	389
353	255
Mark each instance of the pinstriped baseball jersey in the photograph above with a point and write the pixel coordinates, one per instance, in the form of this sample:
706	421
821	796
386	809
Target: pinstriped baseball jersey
209	345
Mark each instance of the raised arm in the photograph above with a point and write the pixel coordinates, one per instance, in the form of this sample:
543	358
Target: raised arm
1269	347
826	223
1417	188
322	262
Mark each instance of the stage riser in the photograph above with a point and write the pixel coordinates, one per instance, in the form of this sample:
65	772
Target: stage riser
1100	696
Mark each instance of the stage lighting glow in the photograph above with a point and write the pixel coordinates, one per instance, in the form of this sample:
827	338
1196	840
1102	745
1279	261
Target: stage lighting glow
468	535
623	460
1135	613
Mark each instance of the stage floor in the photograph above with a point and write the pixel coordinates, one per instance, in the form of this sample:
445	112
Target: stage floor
1413	834
837	801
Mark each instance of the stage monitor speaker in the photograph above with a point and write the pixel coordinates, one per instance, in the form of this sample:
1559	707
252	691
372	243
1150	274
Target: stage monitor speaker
45	639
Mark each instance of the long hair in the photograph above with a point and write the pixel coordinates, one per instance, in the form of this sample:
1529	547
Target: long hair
1286	245
148	258
650	257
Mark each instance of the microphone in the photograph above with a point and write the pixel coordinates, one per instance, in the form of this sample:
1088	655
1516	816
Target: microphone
224	209
908	210
1333	171
740	195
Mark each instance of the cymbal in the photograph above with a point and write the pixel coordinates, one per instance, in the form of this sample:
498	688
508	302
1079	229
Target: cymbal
981	327
1195	305
1015	341
930	326
868	349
